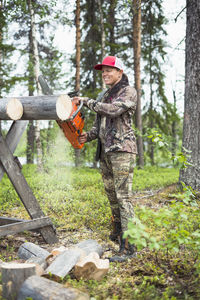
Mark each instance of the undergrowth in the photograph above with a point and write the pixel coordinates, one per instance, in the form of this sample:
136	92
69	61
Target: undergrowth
167	236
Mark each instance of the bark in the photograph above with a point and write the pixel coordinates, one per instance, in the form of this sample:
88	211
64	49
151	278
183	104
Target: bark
174	129
137	56
151	145
38	107
30	143
78	45
29	250
13	276
191	127
112	24
103	37
31	127
38	288
1	38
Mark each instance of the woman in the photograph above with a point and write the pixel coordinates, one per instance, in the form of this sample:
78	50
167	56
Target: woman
117	145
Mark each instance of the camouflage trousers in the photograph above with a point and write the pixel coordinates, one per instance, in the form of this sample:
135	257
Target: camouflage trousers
117	174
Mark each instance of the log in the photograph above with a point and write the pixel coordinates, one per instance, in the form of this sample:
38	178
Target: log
91	267
40	261
28	250
65	261
39	288
13	137
13	276
47	107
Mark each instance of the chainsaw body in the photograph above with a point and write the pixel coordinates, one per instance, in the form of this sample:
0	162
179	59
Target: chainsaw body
72	127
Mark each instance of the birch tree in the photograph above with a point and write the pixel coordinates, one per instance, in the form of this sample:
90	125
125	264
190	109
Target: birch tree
36	65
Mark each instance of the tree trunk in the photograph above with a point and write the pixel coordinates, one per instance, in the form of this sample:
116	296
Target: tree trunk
112	25
1	38
103	37
191	126
31	128
137	55
36	75
30	143
78	44
151	117
174	138
77	152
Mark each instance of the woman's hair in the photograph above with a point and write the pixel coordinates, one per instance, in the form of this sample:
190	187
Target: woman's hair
125	78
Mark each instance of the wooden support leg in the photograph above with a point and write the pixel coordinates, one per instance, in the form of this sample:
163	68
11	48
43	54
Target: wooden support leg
23	190
13	137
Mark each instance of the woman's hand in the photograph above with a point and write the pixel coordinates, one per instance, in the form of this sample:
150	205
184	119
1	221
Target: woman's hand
77	100
82	138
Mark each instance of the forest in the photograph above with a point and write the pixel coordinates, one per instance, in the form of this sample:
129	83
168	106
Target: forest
66	181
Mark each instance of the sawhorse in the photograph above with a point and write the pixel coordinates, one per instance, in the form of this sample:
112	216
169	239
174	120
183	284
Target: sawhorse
9	165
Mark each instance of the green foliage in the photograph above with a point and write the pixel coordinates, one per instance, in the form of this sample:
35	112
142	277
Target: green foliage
61	189
75	200
169	229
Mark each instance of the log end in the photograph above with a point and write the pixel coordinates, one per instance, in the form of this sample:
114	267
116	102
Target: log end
91	267
63	107
14	109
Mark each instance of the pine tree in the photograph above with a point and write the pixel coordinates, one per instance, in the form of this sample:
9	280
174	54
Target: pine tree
137	71
191	135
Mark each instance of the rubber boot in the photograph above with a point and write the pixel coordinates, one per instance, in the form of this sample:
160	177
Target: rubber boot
126	251
117	229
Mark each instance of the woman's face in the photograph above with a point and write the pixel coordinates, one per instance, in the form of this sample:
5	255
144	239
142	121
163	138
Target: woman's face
111	75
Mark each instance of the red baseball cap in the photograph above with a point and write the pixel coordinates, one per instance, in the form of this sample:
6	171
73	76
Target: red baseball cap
111	61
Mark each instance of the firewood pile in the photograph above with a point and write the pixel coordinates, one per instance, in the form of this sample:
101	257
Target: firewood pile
37	273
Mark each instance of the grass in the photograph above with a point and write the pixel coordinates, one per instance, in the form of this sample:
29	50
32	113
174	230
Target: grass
77	194
77	204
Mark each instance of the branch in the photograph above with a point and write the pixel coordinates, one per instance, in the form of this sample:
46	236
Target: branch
179	14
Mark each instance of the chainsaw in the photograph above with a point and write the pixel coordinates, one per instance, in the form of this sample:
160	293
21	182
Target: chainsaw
72	127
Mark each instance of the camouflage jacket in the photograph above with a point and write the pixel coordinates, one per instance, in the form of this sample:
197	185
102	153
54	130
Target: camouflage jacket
114	120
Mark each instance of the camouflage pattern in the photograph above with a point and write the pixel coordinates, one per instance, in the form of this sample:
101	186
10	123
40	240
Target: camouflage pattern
116	120
113	126
117	174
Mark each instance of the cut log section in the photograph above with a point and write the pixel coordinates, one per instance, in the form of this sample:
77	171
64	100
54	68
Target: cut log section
14	109
63	107
91	267
28	250
39	288
65	261
13	276
45	107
